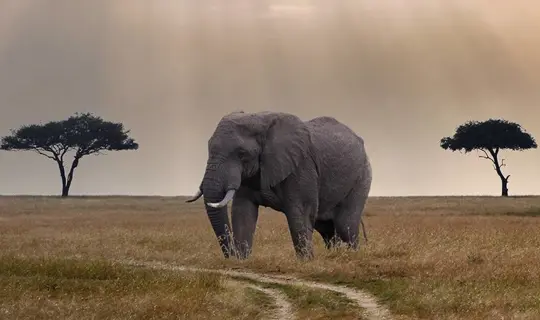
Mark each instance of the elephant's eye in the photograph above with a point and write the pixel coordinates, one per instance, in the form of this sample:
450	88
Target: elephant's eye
242	154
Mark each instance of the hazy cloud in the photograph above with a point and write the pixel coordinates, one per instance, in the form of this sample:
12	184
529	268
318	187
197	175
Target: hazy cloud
401	74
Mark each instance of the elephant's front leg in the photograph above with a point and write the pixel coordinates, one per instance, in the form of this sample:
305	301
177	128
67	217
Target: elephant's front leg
301	228
244	219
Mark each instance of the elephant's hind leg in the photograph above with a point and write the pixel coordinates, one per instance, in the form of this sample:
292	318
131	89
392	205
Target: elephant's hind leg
347	228
327	230
348	216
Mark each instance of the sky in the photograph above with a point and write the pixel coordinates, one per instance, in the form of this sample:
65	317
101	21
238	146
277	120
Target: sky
402	74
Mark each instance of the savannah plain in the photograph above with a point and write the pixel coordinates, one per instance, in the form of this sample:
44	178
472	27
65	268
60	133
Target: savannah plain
426	258
403	75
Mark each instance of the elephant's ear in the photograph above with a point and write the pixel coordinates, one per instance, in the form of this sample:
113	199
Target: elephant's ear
286	144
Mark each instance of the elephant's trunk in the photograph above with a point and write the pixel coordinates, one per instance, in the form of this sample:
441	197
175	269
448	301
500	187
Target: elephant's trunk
219	220
215	183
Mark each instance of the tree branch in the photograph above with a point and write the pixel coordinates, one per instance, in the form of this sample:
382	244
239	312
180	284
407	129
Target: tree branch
100	152
486	156
44	154
54	149
502	163
97	150
64	150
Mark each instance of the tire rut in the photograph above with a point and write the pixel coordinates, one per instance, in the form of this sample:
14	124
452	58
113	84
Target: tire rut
372	310
283	307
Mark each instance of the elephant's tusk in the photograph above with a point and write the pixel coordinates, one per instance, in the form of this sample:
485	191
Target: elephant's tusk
228	197
196	196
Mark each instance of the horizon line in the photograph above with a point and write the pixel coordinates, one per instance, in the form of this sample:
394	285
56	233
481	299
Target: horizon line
188	196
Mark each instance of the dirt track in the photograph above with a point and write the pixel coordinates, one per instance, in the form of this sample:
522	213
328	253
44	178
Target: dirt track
371	309
284	310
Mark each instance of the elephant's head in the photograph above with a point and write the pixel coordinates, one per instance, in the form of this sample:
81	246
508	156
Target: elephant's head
266	146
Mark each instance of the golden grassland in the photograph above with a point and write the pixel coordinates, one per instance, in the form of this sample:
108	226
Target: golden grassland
427	258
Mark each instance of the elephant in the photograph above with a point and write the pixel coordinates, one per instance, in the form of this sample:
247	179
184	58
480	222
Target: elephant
315	172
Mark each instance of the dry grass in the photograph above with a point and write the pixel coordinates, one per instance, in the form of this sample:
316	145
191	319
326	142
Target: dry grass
436	257
54	288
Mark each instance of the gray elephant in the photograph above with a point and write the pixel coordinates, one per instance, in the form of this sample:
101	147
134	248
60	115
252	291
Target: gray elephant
316	172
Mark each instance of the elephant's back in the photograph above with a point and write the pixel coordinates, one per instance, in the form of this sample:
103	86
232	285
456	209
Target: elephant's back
331	136
341	157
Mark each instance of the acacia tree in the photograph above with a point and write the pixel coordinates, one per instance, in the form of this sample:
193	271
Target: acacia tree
490	137
80	135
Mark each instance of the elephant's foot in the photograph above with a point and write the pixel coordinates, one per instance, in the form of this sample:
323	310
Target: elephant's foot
304	251
305	256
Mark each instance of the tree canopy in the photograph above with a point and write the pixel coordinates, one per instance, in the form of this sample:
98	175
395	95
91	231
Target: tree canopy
490	137
494	134
81	134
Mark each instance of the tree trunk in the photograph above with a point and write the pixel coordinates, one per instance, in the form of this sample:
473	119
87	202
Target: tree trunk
66	181
67	186
498	165
504	187
65	191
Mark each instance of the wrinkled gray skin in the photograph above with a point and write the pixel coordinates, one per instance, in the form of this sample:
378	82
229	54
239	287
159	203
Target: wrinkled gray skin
316	172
